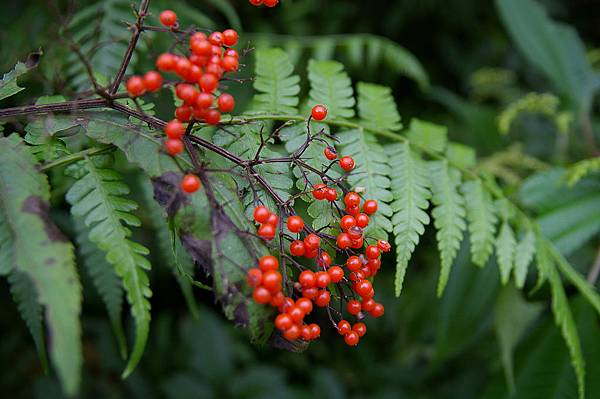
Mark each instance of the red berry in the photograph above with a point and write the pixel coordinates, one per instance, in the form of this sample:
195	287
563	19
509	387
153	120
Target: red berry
166	62
357	243
212	117
312	241
322	279
216	38
261	214
271	280
355	232
384	245
357	276
353	307
344	327
331	194
187	93
183	113
182	67
256	2
353	263
297	248
174	129
295	224
360	329
261	295
287	304
292	333
362	220
296	313
305	305
173	146
352	199
270	3
153	81
363	288
268	262
319	112
370	207
377	310
319	191
353	210
135	86
323	298
273	219
231	53
277	299
307	279
324	260
201	47
368	304
198	36
230	64
305	332
226	102
208	82
343	241
168	18
347	163
336	273
254	277
315	331
310	293
351	338
347	222
283	321
230	37
190	183
372	252
204	100
330	153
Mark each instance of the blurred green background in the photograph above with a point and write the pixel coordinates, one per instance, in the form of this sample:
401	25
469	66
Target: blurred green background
423	347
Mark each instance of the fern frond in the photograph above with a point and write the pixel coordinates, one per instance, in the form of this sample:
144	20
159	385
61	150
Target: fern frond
523	256
98	198
581	169
277	86
377	108
482	221
428	135
505	250
331	86
371	173
448	216
410	188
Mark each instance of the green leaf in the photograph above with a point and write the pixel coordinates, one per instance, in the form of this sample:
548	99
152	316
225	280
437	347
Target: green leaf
523	256
8	84
427	135
461	155
371	174
482	219
448	216
505	250
98	198
377	108
331	87
410	188
277	86
43	254
555	49
581	169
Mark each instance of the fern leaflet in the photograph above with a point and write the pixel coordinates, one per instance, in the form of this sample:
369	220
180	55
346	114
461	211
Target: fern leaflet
278	87
482	221
376	107
331	86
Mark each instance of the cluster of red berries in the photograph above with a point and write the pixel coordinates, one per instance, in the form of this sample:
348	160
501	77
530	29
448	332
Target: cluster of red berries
311	286
268	3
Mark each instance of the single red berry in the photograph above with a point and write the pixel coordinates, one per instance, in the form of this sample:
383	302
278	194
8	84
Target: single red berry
362	220
319	191
310	293
330	153
312	241
351	338
166	62
256	2
193	74
287	304
295	224
315	331
273	220
296	313
322	279
216	38
153	81
352	199
363	288
277	299
254	277
356	276
261	214
261	295
360	329
226	102
324	259
343	241
183	113
201	47
204	100
323	298
331	194
336	273
230	37
212	117
271	280
270	3
182	67
187	93
297	248
368	304
372	252
370	207
231	53
377	310
174	129
355	232
344	327
135	86
268	262
168	18
230	64
353	210
307	279
305	332
292	333
305	305
198	36
347	163
190	183
208	82
384	245
347	222
319	112
173	146
310	253
357	243
353	307
283	321
353	263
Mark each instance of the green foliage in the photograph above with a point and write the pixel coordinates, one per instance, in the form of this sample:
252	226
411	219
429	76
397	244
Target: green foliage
8	84
581	169
42	254
330	85
275	82
97	197
482	221
534	103
428	135
376	107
